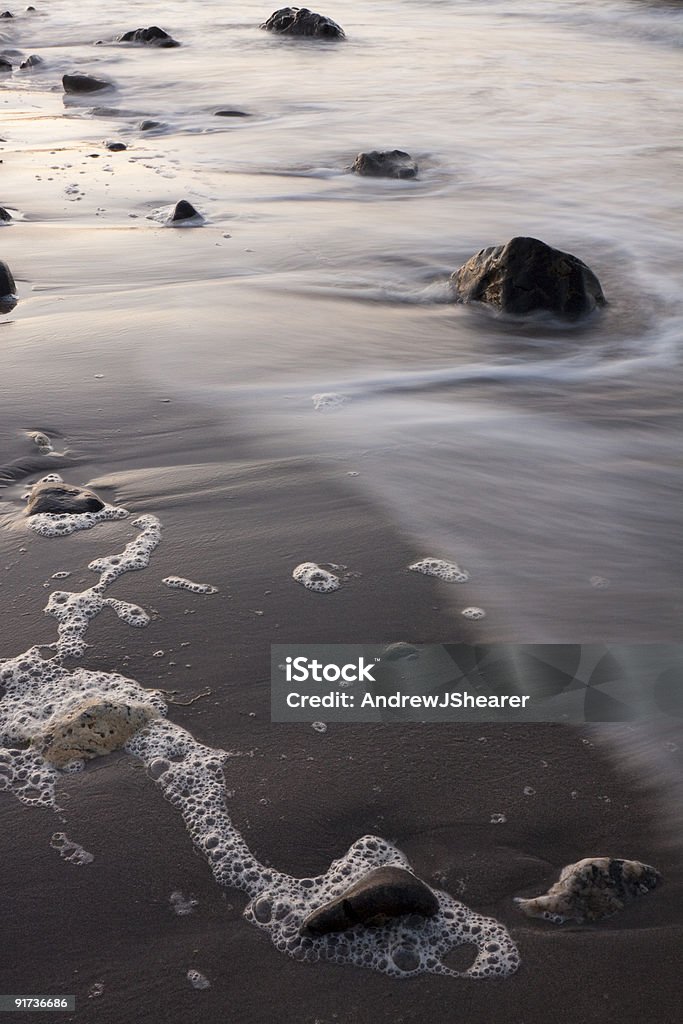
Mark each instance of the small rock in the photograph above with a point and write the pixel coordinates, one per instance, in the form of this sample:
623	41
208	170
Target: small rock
183	211
116	147
299	21
391	164
5	65
31	62
381	894
7	285
60	499
592	888
152	36
92	729
231	113
84	83
6	14
148	126
5	215
527	276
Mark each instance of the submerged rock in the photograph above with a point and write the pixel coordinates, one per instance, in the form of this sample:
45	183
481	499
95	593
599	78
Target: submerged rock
5	65
591	889
183	211
381	894
152	36
31	62
5	215
84	83
60	499
6	14
149	126
391	164
299	21
231	113
92	729
527	276
7	284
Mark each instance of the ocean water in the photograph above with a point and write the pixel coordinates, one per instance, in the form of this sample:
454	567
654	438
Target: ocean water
540	458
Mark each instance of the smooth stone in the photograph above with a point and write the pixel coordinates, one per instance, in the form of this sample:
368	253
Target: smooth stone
183	211
83	83
7	285
299	21
116	147
31	62
152	36
5	214
527	276
59	499
5	65
92	729
231	113
148	126
591	889
393	163
381	894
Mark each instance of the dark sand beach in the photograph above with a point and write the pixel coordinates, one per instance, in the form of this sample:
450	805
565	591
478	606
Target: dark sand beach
178	373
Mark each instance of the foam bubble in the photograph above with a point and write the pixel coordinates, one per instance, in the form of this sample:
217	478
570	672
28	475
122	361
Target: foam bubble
70	851
180	583
325	401
182	905
473	613
197	979
314	577
449	572
61	524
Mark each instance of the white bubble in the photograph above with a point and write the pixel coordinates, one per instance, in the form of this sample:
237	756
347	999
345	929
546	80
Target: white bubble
70	851
449	572
325	401
198	980
314	577
180	583
473	613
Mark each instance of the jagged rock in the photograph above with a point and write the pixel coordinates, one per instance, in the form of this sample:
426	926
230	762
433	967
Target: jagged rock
381	894
6	14
299	21
591	889
231	113
152	36
391	164
92	729
5	215
527	276
183	211
5	65
7	285
84	83
149	126
59	498
116	147
31	62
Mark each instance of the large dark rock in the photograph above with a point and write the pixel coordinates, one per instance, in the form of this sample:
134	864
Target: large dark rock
152	36
527	276
59	498
381	894
299	21
84	83
183	211
392	164
7	285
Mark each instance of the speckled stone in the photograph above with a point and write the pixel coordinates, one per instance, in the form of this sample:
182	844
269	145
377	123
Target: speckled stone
591	889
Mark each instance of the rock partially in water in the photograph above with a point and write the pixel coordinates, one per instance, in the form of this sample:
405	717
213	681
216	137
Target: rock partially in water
6	14
380	895
152	36
527	276
591	889
5	216
231	113
60	499
393	163
184	211
150	126
299	21
33	61
116	147
92	729
84	83
5	65
7	284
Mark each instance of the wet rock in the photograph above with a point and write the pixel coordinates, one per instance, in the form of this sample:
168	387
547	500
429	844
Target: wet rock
231	113
5	215
7	285
84	83
591	889
6	14
31	62
299	21
149	126
5	65
382	894
152	36
116	147
183	211
92	729
391	164
527	276
59	498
